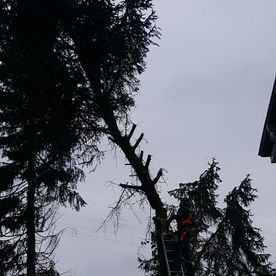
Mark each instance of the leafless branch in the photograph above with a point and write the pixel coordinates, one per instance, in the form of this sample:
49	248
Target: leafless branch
138	141
114	210
111	139
133	187
131	131
148	161
159	174
141	155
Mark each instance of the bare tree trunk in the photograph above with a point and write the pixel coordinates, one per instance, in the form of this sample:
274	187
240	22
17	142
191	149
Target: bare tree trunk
141	168
30	213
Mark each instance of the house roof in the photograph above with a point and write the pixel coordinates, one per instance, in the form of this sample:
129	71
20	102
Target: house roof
266	144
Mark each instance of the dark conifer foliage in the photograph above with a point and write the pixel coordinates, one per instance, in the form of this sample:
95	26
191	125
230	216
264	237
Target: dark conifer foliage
37	169
68	75
224	240
203	197
108	41
239	244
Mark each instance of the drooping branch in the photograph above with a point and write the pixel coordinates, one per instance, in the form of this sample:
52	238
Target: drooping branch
125	196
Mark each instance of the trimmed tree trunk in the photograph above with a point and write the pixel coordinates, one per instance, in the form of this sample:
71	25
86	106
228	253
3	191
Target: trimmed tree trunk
123	141
141	169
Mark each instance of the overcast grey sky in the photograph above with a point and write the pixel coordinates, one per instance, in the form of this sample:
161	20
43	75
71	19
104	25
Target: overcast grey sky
204	94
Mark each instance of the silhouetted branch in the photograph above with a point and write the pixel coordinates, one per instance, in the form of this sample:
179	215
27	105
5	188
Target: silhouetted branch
115	212
148	161
111	139
138	141
131	131
141	155
125	186
156	179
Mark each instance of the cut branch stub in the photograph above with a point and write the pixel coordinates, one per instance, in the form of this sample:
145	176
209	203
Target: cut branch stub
126	186
141	170
141	155
148	161
159	174
138	141
131	131
112	140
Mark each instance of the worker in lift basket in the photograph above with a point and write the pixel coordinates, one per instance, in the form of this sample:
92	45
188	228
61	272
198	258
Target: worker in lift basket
184	219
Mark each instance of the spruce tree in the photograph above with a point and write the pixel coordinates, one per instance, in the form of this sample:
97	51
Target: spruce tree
203	198
239	244
37	169
224	241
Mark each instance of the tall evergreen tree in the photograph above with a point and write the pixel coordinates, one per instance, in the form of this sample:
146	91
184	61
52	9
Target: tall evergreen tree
36	138
100	48
68	76
14	216
237	248
203	198
224	241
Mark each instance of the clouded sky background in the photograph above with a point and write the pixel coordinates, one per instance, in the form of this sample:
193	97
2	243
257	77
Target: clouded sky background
204	94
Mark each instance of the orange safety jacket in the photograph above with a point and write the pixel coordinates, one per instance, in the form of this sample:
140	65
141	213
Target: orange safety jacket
188	221
184	219
186	224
